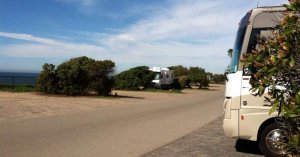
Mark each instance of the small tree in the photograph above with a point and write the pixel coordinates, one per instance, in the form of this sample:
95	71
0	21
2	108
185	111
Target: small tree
276	64
198	76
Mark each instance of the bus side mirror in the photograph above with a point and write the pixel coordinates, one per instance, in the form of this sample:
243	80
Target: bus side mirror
226	73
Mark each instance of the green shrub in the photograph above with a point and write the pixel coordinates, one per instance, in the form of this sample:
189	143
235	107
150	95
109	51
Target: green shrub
198	77
219	78
100	74
78	76
17	88
47	80
176	84
73	76
133	78
183	81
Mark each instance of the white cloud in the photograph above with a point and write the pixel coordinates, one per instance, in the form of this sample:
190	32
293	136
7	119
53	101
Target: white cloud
29	37
191	33
43	47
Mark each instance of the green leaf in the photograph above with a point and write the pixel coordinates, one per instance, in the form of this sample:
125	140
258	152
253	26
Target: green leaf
273	59
274	107
298	99
292	62
272	70
284	61
261	90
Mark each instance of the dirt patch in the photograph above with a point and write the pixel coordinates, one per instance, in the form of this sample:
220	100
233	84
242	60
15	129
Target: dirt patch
26	105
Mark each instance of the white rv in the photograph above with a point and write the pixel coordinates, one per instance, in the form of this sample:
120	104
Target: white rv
246	116
164	78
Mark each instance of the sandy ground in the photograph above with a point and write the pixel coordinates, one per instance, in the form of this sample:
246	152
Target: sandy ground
26	105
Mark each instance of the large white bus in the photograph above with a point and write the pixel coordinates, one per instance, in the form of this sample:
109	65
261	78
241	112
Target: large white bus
246	116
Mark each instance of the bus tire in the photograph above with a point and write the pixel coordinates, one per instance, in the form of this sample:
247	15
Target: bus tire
272	141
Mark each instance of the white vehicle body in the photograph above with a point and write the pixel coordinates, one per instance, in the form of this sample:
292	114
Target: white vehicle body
164	78
246	116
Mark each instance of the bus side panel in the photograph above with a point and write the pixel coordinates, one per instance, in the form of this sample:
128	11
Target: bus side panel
250	121
230	119
230	126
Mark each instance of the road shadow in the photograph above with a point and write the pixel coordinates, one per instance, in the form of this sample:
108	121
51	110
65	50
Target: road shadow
246	146
126	97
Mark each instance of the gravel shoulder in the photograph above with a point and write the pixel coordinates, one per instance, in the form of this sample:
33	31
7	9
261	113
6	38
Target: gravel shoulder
27	105
208	141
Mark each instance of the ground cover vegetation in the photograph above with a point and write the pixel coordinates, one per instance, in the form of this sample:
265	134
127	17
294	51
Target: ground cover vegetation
17	88
276	65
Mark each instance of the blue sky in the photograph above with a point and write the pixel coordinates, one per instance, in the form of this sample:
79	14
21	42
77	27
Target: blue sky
128	32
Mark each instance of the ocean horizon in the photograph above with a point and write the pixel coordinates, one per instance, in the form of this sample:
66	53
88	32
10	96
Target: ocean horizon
18	78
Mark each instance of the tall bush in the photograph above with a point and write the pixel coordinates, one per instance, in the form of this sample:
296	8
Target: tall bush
73	76
218	78
78	76
101	77
198	76
133	78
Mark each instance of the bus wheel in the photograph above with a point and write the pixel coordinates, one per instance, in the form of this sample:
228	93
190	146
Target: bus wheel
273	141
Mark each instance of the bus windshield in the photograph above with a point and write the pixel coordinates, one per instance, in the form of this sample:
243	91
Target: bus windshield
157	76
237	48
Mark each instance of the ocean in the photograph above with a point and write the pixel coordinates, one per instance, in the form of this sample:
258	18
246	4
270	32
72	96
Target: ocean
13	78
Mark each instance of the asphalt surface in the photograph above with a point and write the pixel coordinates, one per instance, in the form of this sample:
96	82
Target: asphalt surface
111	131
208	141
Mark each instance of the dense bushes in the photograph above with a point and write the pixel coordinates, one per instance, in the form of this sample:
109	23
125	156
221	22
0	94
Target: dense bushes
133	78
218	78
78	76
83	76
198	77
190	76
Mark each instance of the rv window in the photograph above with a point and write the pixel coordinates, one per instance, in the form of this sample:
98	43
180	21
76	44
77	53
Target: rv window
267	19
167	75
257	33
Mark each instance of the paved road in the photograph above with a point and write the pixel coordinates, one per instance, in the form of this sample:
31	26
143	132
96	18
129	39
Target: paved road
208	141
115	131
